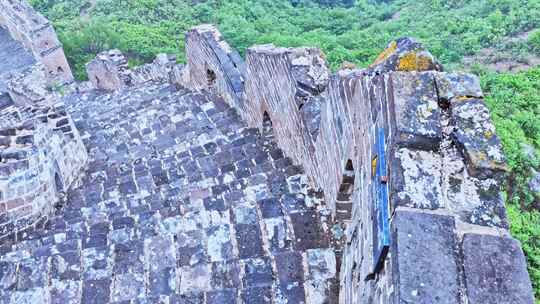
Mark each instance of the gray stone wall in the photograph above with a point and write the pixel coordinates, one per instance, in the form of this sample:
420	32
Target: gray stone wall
109	71
39	159
212	64
425	222
41	153
37	35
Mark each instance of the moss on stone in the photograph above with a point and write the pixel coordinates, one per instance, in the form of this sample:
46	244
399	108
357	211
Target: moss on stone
414	61
389	51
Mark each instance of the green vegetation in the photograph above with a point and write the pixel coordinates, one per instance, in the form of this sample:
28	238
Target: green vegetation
514	102
451	29
142	28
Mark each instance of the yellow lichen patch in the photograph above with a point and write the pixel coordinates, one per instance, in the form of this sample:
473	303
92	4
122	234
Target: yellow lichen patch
391	49
374	166
407	63
414	62
478	157
488	134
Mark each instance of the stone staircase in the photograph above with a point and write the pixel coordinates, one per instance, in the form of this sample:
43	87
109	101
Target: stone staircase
181	204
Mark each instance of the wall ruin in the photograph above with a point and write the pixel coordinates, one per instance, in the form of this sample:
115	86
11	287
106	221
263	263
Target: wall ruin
426	222
109	71
37	35
40	158
41	151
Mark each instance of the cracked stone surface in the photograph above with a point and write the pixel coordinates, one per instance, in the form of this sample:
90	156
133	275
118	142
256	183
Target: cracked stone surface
181	204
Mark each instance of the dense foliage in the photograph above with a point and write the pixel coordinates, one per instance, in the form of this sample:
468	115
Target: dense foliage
451	29
142	28
514	101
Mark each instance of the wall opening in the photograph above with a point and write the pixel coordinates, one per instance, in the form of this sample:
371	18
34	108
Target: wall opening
210	77
268	129
60	70
58	182
344	197
59	185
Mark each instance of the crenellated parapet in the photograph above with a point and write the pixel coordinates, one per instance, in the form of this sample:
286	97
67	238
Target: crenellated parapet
405	154
36	33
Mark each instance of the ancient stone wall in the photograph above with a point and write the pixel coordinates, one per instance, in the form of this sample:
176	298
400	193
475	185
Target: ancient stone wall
213	64
407	159
36	34
41	151
109	71
39	159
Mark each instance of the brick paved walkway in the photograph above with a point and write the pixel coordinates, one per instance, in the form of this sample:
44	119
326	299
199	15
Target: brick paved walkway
181	204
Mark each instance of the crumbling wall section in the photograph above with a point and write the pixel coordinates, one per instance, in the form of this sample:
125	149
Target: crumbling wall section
40	158
41	153
109	71
37	35
425	222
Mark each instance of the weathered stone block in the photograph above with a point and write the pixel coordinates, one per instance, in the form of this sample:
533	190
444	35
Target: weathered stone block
475	136
415	179
415	113
495	270
425	260
311	115
308	235
309	70
405	54
451	85
108	71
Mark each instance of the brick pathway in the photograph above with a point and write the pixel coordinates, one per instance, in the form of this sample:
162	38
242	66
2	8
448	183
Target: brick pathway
181	204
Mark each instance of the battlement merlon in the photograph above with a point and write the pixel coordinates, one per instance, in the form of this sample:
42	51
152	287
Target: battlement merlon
405	154
36	33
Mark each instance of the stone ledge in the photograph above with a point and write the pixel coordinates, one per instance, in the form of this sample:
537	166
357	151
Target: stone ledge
425	258
495	270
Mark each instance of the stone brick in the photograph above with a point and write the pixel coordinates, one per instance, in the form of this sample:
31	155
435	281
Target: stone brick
495	270
405	54
415	179
249	240
425	259
307	235
96	291
257	295
221	297
453	85
225	275
475	136
258	272
415	113
290	267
